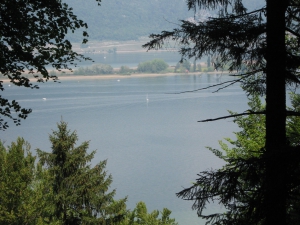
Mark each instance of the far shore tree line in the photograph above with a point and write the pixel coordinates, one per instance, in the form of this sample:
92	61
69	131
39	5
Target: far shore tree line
151	66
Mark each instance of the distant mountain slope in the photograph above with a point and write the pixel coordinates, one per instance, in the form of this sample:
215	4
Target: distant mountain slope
127	20
122	20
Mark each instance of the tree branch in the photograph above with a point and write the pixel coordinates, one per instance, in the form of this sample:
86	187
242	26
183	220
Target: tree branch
243	76
240	15
292	113
248	112
215	85
292	32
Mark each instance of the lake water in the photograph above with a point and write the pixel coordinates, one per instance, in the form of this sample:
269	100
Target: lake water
154	148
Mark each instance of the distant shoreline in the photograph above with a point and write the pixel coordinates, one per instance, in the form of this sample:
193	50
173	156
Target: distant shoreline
119	76
135	75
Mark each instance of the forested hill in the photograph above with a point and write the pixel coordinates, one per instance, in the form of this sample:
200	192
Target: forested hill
130	19
127	20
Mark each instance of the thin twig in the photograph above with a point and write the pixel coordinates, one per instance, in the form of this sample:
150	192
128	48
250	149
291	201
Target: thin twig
215	85
240	15
233	82
245	74
250	112
171	22
235	115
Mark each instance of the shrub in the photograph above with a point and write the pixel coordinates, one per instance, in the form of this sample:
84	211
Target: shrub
199	68
183	66
209	69
94	70
153	66
125	70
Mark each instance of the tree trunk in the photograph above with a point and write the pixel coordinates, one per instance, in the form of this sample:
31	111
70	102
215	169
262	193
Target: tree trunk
276	114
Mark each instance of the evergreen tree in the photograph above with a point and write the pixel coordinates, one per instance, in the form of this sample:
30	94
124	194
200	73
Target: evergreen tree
208	61
183	66
255	40
80	192
239	185
250	140
140	216
20	195
153	66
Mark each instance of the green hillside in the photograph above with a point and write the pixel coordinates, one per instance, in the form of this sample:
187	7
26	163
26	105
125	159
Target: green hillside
127	20
122	20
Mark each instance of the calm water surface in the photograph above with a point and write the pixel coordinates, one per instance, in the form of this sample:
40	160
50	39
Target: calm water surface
154	148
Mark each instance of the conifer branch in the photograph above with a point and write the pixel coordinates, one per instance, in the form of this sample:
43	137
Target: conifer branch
292	113
230	82
246	74
248	112
292	32
215	85
240	15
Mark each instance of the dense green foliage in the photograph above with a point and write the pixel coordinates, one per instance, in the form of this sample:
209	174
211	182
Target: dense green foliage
25	194
62	188
125	70
240	184
140	216
251	139
153	66
183	66
94	70
199	67
80	191
247	149
17	175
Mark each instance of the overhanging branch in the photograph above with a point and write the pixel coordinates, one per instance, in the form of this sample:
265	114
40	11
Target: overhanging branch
248	112
240	15
292	113
292	32
228	83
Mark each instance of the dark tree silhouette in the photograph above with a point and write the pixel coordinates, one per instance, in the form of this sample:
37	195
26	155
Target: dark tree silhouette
265	42
32	36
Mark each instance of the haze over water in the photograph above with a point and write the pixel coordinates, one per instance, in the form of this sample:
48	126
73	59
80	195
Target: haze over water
154	148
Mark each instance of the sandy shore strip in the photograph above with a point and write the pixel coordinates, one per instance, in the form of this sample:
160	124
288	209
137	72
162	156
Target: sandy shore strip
134	75
119	76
